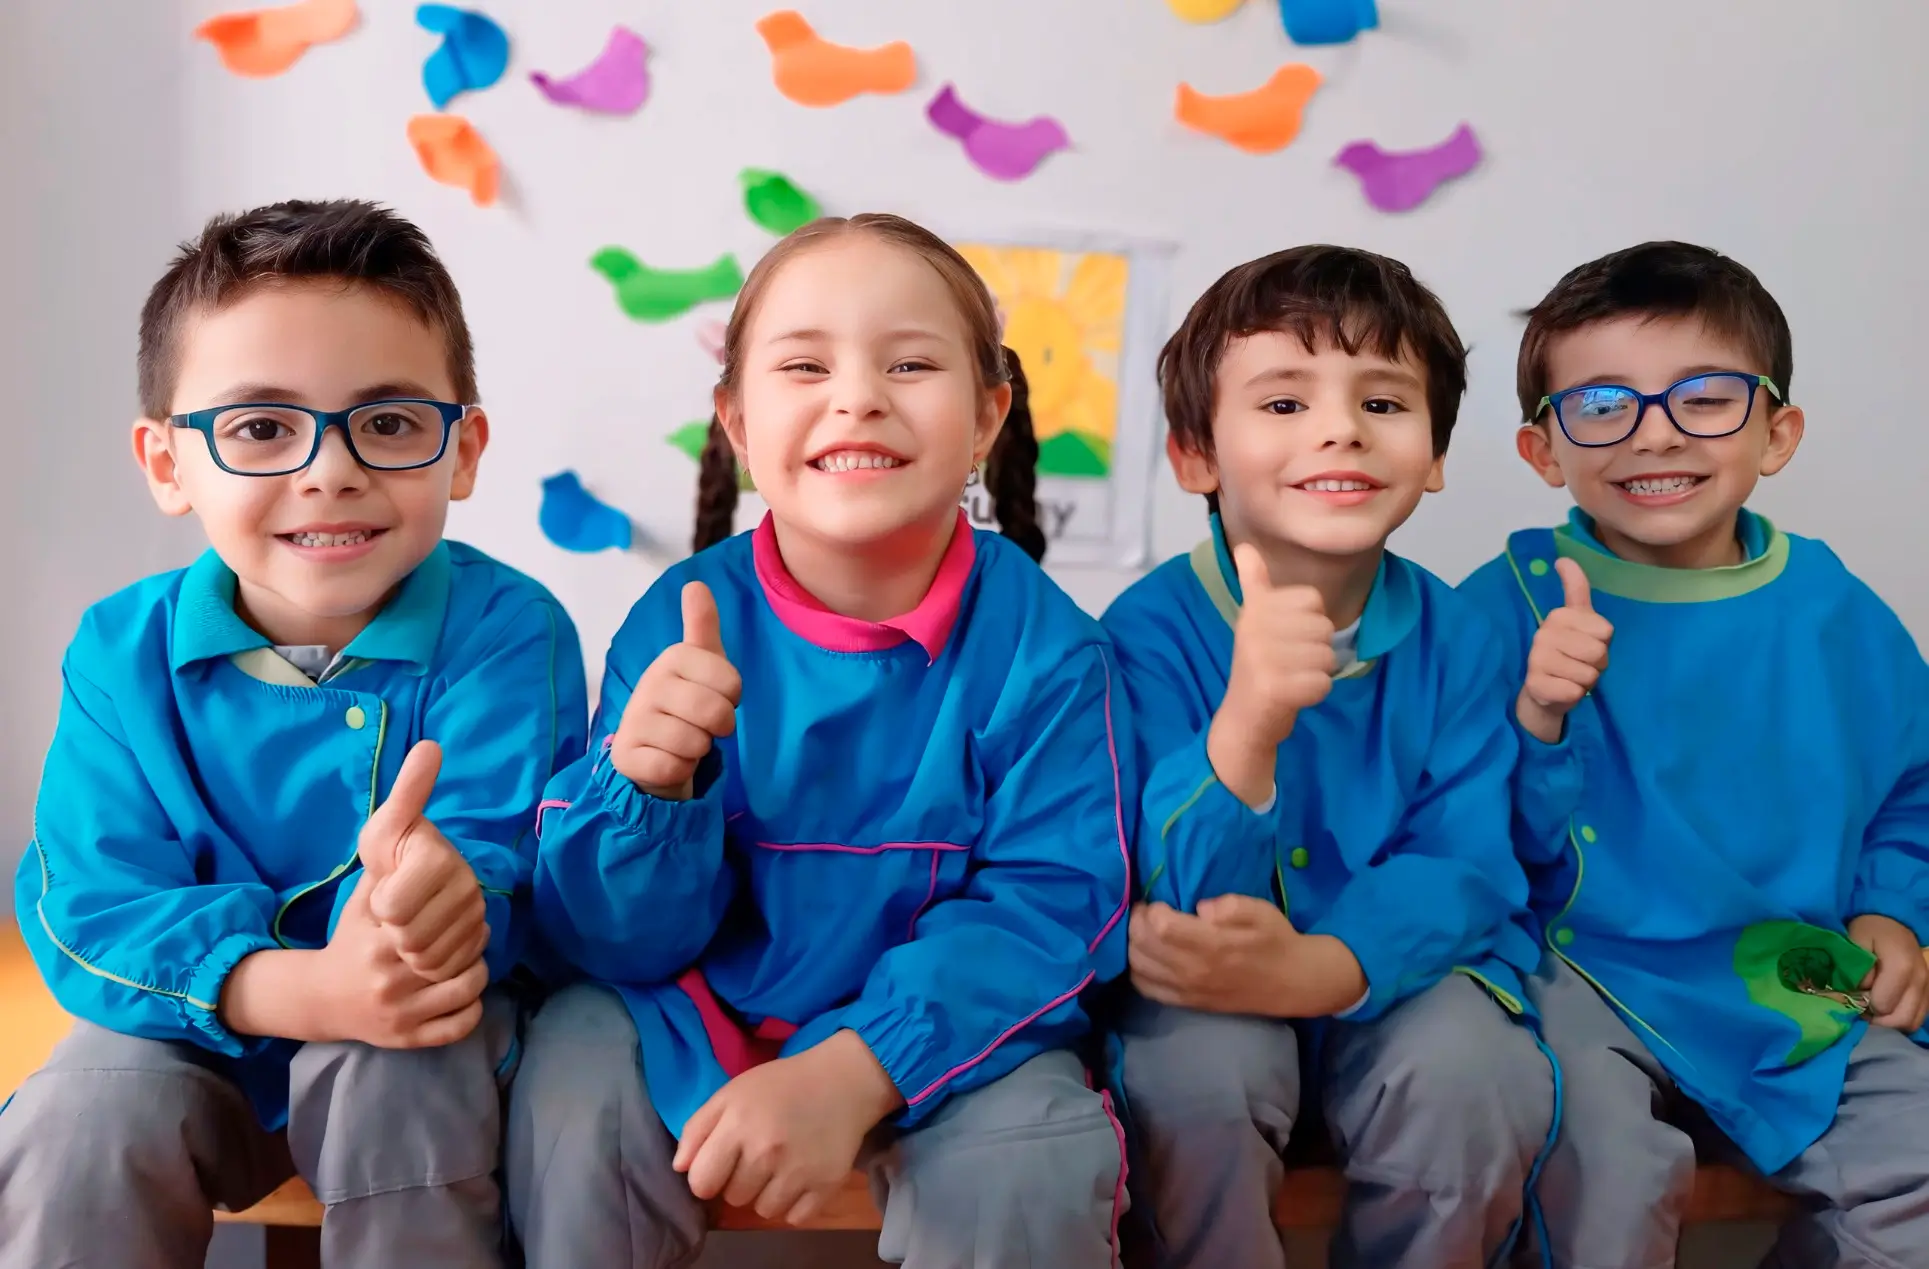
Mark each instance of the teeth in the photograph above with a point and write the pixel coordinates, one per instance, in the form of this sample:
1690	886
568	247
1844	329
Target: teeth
1661	485
330	539
855	460
1336	486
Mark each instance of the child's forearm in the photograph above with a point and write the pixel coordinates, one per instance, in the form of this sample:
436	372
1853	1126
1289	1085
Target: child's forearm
1241	759
274	994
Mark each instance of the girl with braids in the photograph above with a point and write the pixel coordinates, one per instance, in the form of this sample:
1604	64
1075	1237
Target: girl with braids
848	847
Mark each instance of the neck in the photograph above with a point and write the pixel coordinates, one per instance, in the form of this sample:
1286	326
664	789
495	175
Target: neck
281	623
876	582
1717	547
1343	581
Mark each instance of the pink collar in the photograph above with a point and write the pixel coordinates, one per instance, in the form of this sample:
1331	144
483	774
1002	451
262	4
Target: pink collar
929	624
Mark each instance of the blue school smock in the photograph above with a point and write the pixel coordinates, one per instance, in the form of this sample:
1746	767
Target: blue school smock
915	833
1750	773
202	798
1389	828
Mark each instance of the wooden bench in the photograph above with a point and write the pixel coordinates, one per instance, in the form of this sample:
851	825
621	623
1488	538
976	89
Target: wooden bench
1309	1200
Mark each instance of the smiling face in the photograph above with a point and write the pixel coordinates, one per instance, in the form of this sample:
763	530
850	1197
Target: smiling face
1320	452
1661	496
317	552
858	405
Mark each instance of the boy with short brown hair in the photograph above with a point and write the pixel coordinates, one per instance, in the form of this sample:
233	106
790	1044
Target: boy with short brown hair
262	914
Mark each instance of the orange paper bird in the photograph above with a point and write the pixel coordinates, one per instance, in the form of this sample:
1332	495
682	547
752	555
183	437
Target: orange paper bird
453	152
812	71
1260	121
269	41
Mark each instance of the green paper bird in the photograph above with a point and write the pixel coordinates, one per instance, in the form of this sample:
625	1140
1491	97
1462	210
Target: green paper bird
776	204
657	295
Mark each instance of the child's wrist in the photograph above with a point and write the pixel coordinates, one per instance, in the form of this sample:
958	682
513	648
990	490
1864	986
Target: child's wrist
273	994
1537	720
869	1083
1243	763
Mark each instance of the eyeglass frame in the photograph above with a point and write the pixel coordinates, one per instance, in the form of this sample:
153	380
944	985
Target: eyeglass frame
202	421
1552	401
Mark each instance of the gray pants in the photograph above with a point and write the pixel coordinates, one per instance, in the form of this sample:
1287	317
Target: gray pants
1621	1174
1436	1109
1024	1171
113	1154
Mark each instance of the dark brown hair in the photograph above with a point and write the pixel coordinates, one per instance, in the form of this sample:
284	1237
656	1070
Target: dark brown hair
1011	475
355	242
1658	279
1357	300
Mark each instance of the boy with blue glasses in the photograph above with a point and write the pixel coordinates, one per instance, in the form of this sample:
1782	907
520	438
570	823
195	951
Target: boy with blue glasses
256	879
1727	828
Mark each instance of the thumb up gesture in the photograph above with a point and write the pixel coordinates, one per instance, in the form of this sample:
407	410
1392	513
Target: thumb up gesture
420	889
1569	654
684	702
1282	655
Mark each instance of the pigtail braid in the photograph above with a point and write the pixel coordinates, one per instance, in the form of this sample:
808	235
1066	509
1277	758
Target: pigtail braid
1011	469
716	489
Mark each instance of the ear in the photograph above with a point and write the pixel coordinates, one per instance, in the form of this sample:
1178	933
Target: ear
731	417
154	451
471	438
1197	474
1785	428
991	420
1535	446
1437	474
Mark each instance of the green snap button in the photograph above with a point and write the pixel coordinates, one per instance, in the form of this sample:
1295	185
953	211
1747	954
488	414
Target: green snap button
1537	567
1587	833
1301	857
356	717
1563	936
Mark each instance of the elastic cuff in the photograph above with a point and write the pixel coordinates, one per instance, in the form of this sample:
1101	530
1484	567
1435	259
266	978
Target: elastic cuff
1894	905
203	1002
654	817
901	1041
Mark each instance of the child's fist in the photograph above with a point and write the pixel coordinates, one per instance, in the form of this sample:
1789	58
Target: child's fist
1282	656
684	702
1570	653
418	886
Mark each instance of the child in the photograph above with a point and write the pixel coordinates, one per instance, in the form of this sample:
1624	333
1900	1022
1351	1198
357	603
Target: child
1728	830
231	746
849	845
1324	827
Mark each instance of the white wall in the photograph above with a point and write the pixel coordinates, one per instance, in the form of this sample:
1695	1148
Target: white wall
1788	132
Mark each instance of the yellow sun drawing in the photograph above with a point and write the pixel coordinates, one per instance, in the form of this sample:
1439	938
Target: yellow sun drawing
1064	316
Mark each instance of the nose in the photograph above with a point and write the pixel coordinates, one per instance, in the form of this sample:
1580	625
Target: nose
334	470
1342	427
858	393
1655	432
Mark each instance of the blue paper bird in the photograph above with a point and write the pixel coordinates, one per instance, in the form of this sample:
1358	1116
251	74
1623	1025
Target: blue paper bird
1327	21
473	55
576	520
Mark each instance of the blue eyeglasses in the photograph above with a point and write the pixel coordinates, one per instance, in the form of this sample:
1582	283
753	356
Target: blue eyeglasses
276	439
1596	415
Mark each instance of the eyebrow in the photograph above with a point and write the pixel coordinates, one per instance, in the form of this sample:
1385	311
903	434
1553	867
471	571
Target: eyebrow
1391	376
275	394
1690	372
1279	374
814	334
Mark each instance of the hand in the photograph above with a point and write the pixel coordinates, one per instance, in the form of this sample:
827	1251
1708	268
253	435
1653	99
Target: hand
1240	955
420	888
684	702
1898	986
1282	662
1570	653
782	1137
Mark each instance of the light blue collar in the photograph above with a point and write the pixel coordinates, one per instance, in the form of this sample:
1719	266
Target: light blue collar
1749	527
406	630
1392	607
